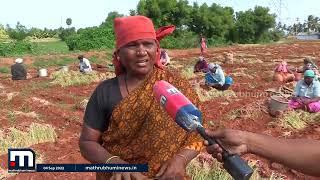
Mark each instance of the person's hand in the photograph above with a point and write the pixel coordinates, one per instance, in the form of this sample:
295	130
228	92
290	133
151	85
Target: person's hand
295	98
128	176
29	76
174	168
306	101
234	141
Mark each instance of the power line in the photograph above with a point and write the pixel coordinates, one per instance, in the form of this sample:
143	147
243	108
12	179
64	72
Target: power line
279	6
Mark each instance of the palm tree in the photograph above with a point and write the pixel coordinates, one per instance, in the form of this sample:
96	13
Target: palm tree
316	23
312	23
69	22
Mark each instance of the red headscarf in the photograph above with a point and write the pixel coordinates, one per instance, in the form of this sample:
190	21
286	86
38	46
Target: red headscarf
132	28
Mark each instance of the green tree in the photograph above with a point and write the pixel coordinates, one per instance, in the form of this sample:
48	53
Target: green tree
153	11
312	23
213	22
317	25
299	27
253	25
142	7
305	27
132	12
263	21
65	33
165	12
3	33
19	33
245	27
36	33
91	38
111	16
217	23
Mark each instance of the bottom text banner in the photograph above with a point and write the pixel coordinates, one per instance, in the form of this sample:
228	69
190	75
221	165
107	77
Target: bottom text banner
92	168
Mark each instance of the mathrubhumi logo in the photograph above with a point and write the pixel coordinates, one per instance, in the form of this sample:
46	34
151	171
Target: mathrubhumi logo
21	160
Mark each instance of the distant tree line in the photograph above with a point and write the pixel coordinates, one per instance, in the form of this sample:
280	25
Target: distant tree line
16	40
311	25
220	25
20	32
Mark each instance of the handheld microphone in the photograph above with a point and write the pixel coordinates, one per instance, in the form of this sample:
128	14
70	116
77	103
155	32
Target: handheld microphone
189	117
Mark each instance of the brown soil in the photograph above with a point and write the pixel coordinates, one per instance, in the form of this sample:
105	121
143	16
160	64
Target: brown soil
68	120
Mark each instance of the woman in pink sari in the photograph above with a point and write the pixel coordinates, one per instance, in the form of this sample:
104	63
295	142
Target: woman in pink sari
203	45
282	73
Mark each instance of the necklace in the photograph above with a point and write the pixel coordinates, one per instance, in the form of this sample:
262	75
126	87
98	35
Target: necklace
125	81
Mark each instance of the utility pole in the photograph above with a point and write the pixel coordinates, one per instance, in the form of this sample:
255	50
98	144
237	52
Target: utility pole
280	8
297	26
277	5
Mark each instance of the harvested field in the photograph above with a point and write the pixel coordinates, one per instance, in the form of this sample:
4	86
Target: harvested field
61	107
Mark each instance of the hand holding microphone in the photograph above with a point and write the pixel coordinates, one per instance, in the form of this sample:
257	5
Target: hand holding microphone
236	141
187	116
